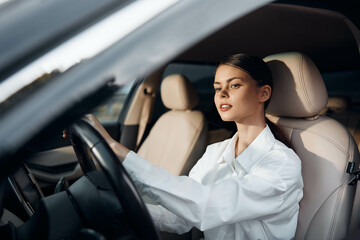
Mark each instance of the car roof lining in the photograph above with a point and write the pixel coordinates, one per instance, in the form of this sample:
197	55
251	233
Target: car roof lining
278	28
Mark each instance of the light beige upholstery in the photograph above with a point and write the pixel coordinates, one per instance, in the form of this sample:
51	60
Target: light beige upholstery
338	108
177	93
337	103
299	82
324	146
179	137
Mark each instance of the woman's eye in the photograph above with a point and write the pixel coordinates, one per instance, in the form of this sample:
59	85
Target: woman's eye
235	85
217	89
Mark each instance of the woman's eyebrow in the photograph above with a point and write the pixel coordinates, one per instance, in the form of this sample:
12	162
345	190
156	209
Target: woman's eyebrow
230	79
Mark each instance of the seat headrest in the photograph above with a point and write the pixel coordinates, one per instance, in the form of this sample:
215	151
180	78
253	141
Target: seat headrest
177	93
298	90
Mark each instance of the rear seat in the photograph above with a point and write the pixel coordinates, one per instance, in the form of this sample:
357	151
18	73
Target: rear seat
339	108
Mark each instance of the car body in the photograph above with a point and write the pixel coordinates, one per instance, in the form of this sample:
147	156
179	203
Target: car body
68	58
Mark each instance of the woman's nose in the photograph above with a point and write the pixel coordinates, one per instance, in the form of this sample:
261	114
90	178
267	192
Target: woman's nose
224	94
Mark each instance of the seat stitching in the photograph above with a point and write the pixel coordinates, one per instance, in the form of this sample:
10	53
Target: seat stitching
312	219
340	194
327	138
318	134
337	208
307	97
341	187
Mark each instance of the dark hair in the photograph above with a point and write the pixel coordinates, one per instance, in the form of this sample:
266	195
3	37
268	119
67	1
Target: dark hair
261	73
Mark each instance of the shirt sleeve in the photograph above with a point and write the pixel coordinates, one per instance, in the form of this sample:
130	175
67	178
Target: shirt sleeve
208	206
167	221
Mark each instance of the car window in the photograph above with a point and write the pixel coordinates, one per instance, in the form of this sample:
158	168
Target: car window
344	84
110	110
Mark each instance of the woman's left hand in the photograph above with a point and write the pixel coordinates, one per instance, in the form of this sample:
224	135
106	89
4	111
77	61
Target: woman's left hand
90	118
120	150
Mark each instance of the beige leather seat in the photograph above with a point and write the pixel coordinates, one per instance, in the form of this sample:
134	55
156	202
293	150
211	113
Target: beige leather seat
339	108
179	137
335	104
324	146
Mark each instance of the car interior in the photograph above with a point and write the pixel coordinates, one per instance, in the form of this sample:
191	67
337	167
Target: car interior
179	155
169	118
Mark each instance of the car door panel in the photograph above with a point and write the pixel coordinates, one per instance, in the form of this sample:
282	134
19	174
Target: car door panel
49	166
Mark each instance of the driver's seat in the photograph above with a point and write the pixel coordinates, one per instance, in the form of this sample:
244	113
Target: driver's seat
324	146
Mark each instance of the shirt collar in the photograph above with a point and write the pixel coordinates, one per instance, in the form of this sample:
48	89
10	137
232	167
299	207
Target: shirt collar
258	148
229	152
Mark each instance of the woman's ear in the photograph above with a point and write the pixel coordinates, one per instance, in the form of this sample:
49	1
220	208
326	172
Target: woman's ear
264	93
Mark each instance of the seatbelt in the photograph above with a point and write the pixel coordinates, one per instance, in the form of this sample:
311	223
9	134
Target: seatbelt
354	225
354	219
145	114
355	173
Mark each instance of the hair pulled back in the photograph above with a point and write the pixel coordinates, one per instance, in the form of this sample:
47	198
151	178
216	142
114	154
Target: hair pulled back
261	74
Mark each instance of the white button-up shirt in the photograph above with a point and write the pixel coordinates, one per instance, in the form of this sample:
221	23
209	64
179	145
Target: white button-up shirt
253	196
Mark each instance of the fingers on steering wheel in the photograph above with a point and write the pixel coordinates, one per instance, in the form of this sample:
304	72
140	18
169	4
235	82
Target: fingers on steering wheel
65	133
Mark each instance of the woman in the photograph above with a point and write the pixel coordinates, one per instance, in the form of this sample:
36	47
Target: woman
246	187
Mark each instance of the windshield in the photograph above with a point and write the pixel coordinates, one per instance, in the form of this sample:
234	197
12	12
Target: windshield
158	32
78	48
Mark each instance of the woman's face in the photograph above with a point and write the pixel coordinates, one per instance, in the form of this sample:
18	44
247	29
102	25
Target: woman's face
237	96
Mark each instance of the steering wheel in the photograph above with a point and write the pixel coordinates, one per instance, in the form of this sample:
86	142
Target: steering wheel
85	139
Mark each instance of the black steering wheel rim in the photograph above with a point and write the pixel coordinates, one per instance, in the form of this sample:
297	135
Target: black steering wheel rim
84	136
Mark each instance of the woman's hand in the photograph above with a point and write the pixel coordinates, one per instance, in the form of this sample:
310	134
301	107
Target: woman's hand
99	127
120	150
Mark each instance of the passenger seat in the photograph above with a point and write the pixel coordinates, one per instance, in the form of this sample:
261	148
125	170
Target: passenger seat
339	108
179	137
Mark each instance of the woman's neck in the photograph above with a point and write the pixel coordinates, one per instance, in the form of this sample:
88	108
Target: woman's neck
246	135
